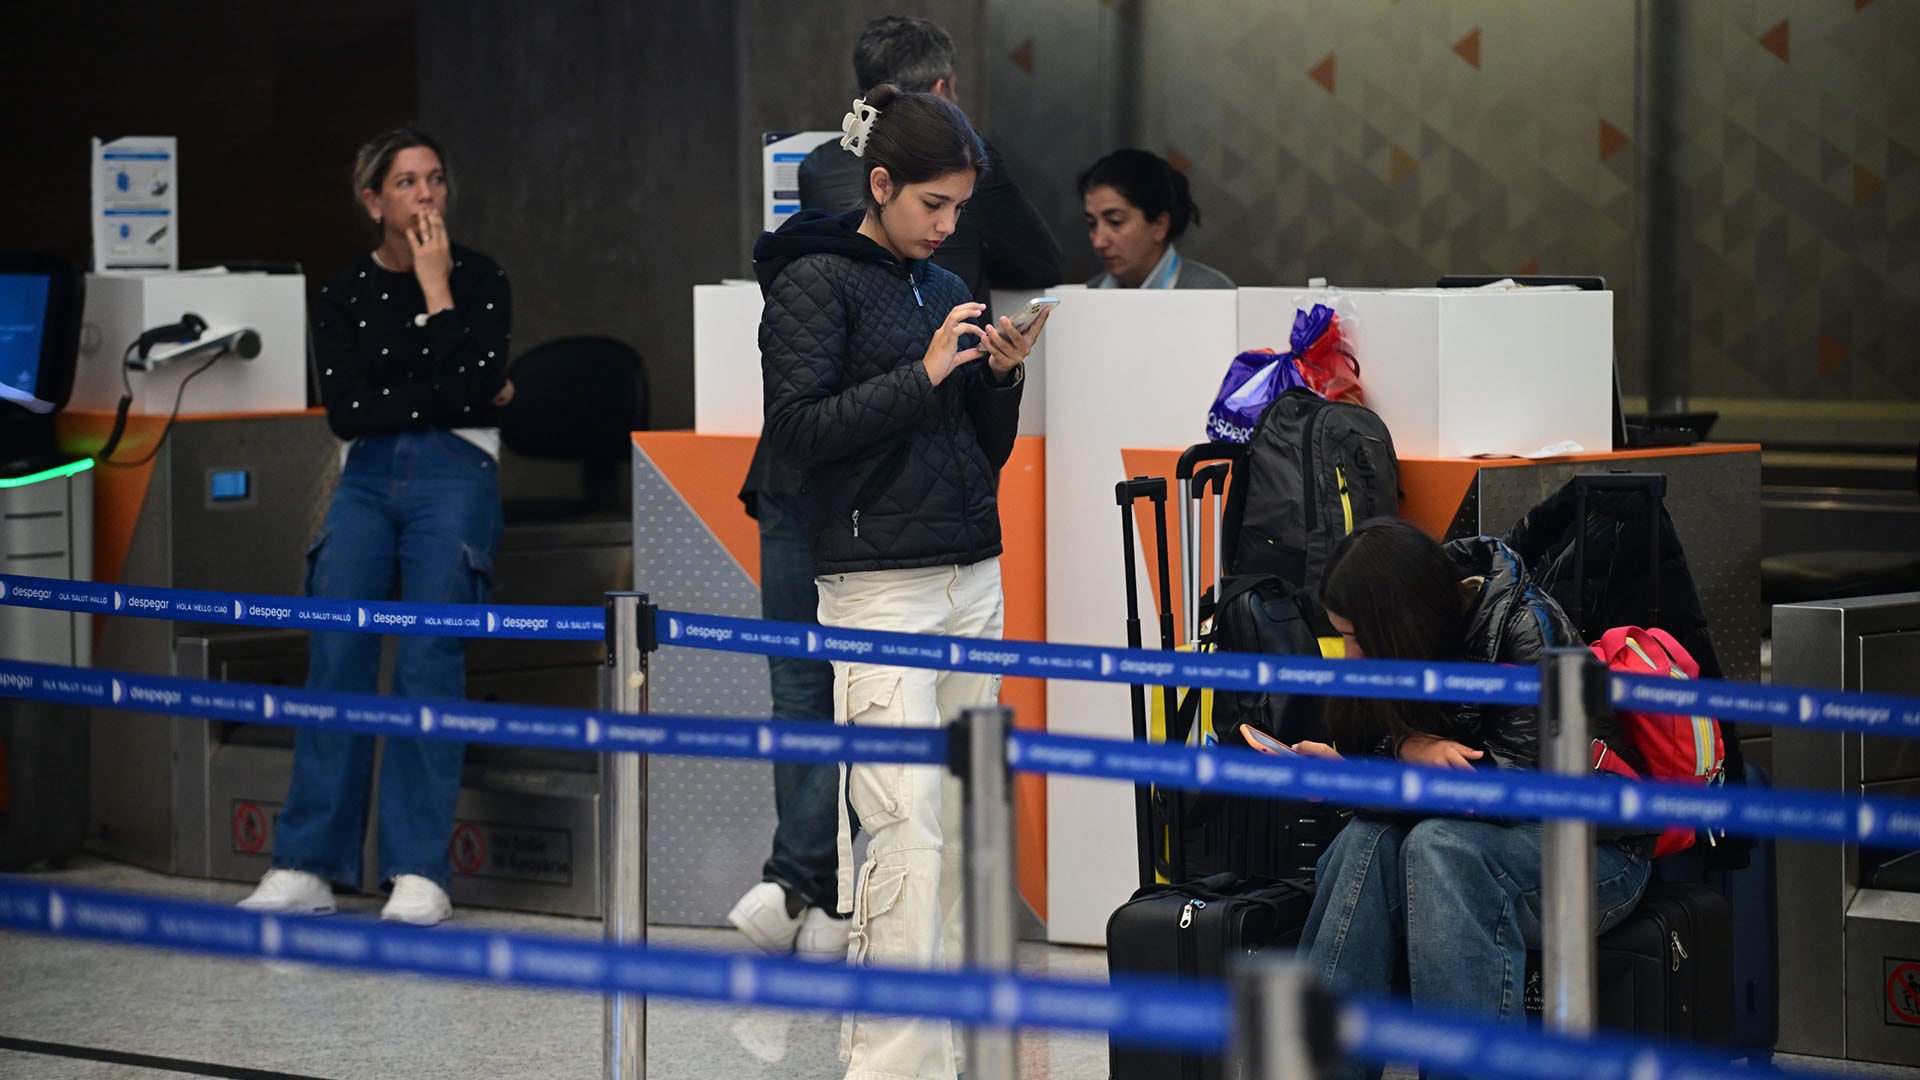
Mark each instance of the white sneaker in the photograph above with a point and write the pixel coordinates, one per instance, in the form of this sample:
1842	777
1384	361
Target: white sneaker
822	938
761	916
417	900
291	892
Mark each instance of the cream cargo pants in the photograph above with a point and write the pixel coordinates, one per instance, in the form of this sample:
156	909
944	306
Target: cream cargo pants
906	898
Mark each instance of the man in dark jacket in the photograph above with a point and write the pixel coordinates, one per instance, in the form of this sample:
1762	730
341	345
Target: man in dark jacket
1000	240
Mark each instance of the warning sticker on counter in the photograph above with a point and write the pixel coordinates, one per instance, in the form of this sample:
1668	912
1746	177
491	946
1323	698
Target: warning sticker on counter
1903	992
252	826
512	853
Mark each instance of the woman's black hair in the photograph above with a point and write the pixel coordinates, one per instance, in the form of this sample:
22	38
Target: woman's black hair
917	138
1146	180
375	160
1402	595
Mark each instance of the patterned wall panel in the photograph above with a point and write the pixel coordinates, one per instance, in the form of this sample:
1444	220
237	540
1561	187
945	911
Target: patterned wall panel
1385	142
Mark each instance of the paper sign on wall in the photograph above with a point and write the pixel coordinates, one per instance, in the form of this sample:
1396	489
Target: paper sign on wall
136	192
781	153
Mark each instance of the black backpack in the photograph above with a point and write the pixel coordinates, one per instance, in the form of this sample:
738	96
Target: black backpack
1260	613
1315	469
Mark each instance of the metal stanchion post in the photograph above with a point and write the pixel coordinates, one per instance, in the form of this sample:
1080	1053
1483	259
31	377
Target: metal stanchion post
1283	1024
1573	689
623	824
978	755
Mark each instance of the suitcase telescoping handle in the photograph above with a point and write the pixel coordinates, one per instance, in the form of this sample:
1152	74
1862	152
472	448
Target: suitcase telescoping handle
1194	493
1126	493
1584	484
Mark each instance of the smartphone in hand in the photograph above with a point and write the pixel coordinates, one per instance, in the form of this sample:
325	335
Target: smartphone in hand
1266	743
1032	311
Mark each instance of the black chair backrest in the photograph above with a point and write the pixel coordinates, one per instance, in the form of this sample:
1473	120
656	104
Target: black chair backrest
576	399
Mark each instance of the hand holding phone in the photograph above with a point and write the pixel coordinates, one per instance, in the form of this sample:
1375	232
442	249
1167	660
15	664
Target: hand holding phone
1032	311
1266	743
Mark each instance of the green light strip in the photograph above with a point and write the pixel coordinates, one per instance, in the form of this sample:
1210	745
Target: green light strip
55	473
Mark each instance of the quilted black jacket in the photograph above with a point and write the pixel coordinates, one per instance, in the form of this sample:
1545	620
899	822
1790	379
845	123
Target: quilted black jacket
898	472
1512	622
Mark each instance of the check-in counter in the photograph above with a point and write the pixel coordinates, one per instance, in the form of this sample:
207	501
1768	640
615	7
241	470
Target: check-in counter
1450	371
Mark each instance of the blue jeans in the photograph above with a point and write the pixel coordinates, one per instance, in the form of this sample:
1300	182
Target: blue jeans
804	793
1460	899
425	507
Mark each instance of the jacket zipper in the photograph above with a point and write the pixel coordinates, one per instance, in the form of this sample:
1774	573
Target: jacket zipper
921	303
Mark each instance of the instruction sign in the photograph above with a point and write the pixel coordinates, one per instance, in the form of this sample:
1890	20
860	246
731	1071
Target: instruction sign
512	853
136	201
781	153
1903	991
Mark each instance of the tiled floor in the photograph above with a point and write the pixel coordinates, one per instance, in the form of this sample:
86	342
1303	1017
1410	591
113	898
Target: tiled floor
65	1006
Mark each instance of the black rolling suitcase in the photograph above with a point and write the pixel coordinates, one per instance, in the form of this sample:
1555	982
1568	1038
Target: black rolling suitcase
1659	973
1260	613
1742	871
1195	930
1171	925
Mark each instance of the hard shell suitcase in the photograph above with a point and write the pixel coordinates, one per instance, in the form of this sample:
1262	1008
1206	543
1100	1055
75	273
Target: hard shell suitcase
1197	930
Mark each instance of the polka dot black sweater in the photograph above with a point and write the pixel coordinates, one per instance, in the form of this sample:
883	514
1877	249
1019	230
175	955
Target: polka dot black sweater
383	370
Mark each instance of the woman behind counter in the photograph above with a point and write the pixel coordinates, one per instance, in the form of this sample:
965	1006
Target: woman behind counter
1136	206
411	345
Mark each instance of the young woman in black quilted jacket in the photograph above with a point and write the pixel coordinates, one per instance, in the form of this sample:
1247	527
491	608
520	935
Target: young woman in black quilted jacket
1459	898
900	412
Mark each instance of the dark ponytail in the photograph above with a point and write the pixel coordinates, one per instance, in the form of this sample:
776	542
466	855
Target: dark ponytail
917	138
1147	181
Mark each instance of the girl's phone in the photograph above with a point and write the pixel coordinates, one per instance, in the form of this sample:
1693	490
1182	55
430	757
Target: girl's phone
1264	742
1032	311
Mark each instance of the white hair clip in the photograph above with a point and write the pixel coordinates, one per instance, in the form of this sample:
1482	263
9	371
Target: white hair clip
857	125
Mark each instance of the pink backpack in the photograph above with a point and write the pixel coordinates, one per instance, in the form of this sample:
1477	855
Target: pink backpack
1682	749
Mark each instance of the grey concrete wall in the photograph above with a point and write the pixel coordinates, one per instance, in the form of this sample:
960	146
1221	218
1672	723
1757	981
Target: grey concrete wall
592	142
796	74
608	153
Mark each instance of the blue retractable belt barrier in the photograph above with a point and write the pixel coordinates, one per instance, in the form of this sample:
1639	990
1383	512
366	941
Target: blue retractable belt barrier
1491	684
1143	1011
1494	793
1382	1031
306	613
1149	1011
472	721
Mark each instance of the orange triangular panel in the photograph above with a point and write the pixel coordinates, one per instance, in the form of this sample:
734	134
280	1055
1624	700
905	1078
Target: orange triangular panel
1611	139
1404	164
1775	40
1322	73
1023	56
1833	355
707	471
1469	48
1865	184
1530	268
